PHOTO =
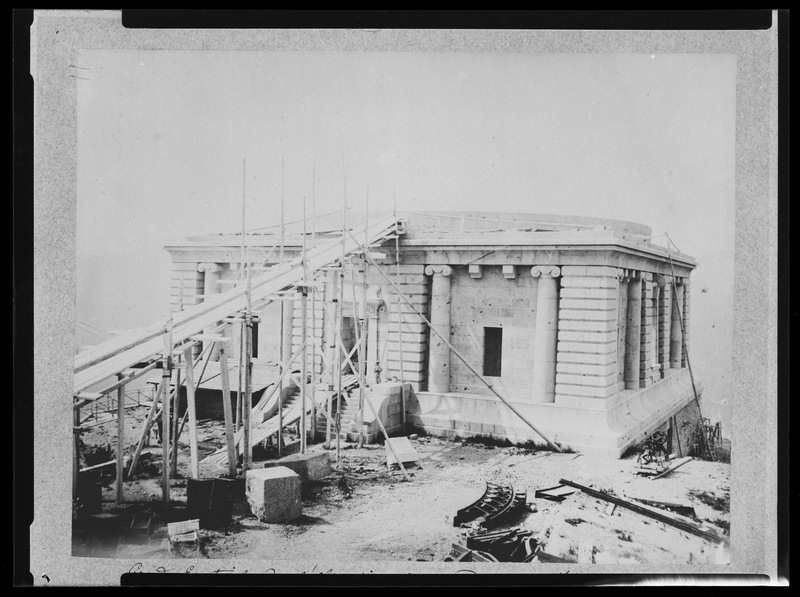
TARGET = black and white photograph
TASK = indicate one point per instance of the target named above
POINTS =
(401, 301)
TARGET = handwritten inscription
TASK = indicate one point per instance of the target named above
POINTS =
(139, 567)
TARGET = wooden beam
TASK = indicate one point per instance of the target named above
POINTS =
(210, 338)
(76, 456)
(385, 435)
(120, 441)
(166, 376)
(677, 523)
(672, 468)
(122, 380)
(226, 407)
(190, 406)
(146, 429)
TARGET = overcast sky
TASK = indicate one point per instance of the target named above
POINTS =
(162, 135)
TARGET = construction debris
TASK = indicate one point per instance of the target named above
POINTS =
(403, 449)
(496, 505)
(557, 493)
(183, 532)
(684, 525)
(673, 465)
(654, 453)
(682, 509)
(514, 545)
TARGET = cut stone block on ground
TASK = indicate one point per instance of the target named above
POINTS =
(273, 494)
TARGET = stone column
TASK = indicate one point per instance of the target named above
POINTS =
(439, 356)
(658, 301)
(633, 332)
(622, 314)
(545, 342)
(676, 334)
(372, 342)
(330, 315)
(685, 315)
(288, 332)
(211, 275)
(648, 347)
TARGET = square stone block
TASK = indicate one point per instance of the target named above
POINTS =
(273, 494)
(404, 450)
(310, 466)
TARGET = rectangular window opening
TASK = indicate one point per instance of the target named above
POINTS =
(254, 353)
(492, 351)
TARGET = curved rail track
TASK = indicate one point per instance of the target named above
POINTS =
(493, 507)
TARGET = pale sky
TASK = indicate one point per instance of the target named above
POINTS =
(162, 135)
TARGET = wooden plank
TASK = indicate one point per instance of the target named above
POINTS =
(226, 406)
(76, 450)
(120, 441)
(677, 523)
(672, 467)
(145, 429)
(166, 376)
(210, 338)
(190, 405)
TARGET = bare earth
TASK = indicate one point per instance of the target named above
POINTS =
(365, 511)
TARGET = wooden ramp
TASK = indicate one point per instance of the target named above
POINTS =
(292, 411)
(105, 360)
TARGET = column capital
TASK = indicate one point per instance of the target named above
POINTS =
(444, 270)
(208, 267)
(546, 270)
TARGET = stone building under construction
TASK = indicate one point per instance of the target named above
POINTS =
(577, 325)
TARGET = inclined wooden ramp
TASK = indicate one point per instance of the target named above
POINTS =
(291, 415)
(105, 360)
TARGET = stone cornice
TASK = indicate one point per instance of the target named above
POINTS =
(559, 256)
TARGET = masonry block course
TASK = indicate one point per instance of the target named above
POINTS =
(586, 347)
(588, 282)
(589, 337)
(607, 325)
(588, 303)
(587, 379)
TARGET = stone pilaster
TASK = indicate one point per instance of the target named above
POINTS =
(439, 355)
(676, 334)
(622, 314)
(633, 335)
(545, 340)
(211, 276)
(685, 314)
(587, 333)
(663, 321)
(372, 342)
(647, 353)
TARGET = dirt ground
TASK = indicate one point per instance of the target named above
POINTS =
(365, 511)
